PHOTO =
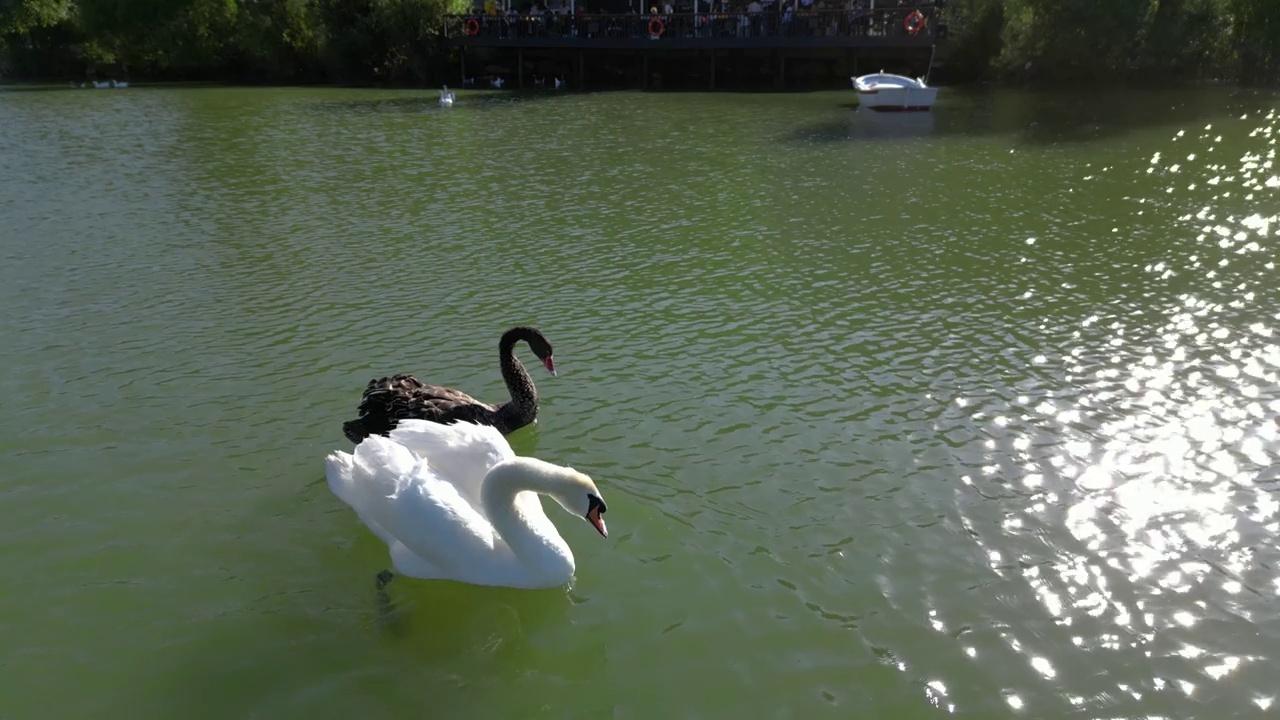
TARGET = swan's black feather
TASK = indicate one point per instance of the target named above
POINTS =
(388, 400)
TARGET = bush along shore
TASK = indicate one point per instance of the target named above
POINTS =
(1110, 40)
(294, 41)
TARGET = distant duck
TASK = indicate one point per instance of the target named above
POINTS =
(559, 83)
(539, 81)
(116, 84)
(446, 97)
(469, 82)
(497, 82)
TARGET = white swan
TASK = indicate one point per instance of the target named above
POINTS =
(454, 502)
(446, 97)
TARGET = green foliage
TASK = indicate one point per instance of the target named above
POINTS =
(1091, 39)
(22, 16)
(1255, 26)
(978, 39)
(278, 39)
(346, 40)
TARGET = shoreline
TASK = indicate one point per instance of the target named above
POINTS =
(32, 85)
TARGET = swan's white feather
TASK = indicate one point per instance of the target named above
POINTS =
(406, 502)
(436, 523)
(340, 469)
(461, 453)
(418, 491)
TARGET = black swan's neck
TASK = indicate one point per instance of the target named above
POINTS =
(522, 409)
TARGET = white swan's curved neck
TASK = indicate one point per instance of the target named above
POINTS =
(541, 551)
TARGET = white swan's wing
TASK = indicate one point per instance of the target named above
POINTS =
(468, 445)
(435, 522)
(463, 453)
(353, 482)
(405, 502)
(460, 453)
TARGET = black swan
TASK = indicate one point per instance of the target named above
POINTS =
(388, 400)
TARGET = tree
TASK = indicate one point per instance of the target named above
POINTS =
(22, 16)
(1256, 30)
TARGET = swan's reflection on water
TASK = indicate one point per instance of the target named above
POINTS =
(454, 618)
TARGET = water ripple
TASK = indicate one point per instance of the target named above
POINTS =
(879, 438)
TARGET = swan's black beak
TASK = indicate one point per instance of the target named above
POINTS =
(594, 511)
(551, 366)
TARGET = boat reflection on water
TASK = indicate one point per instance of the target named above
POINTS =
(865, 124)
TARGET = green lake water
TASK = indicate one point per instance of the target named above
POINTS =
(897, 417)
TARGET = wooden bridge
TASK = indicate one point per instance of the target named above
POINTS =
(565, 41)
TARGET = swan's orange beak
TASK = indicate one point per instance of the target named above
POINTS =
(593, 517)
(551, 366)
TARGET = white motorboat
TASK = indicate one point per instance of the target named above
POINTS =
(888, 92)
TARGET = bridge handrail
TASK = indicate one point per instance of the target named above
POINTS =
(886, 22)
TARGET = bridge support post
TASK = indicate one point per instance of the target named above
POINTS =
(520, 68)
(713, 70)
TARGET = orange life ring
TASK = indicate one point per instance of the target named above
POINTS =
(473, 26)
(914, 22)
(660, 26)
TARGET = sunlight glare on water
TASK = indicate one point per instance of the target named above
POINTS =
(1149, 437)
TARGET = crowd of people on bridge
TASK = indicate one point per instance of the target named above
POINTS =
(695, 18)
(634, 7)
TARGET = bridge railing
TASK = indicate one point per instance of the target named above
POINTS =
(913, 23)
